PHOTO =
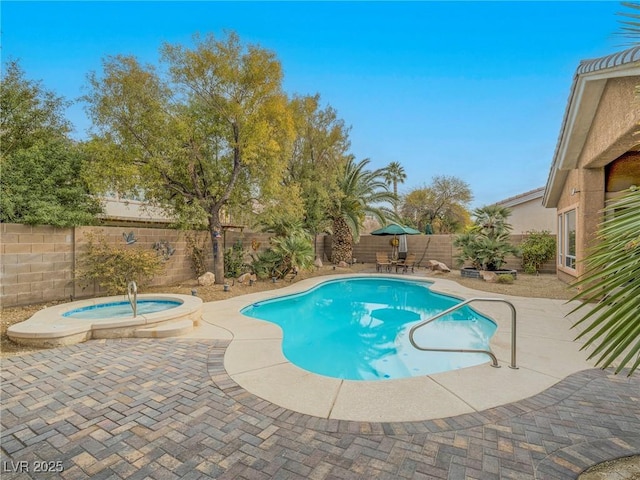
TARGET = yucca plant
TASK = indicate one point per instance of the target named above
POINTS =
(612, 279)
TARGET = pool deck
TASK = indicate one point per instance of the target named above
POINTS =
(196, 407)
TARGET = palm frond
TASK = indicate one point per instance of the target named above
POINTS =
(612, 279)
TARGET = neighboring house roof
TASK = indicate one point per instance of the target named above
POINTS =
(522, 198)
(586, 90)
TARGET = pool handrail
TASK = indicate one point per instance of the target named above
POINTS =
(133, 288)
(488, 352)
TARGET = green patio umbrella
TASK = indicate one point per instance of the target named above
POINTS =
(395, 230)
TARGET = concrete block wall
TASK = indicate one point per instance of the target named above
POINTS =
(36, 263)
(177, 267)
(426, 247)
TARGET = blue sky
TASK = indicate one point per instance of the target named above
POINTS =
(471, 89)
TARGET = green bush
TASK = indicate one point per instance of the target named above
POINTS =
(196, 249)
(537, 248)
(505, 278)
(286, 255)
(114, 266)
(487, 244)
(265, 264)
(234, 264)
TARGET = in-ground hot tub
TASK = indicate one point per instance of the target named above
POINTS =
(161, 315)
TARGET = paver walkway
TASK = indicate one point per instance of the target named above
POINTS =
(165, 409)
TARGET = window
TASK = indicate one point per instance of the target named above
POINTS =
(567, 239)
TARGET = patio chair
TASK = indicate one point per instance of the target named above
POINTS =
(382, 260)
(407, 263)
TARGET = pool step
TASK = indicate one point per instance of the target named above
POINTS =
(167, 329)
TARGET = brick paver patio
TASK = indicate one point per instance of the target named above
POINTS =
(165, 409)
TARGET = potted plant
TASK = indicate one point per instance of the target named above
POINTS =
(486, 245)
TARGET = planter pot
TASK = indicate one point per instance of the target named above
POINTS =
(470, 272)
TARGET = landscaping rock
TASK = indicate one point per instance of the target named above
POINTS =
(318, 263)
(343, 264)
(245, 277)
(437, 266)
(207, 279)
(489, 277)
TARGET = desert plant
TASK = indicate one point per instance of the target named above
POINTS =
(265, 264)
(536, 249)
(114, 266)
(234, 264)
(287, 254)
(196, 249)
(505, 278)
(612, 279)
(487, 244)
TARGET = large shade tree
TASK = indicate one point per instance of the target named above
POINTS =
(442, 205)
(319, 150)
(360, 193)
(210, 133)
(41, 180)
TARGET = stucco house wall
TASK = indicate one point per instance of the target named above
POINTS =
(597, 152)
(528, 213)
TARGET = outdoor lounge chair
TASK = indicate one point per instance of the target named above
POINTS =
(382, 260)
(407, 263)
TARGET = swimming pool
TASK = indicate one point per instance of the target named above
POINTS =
(358, 329)
(121, 309)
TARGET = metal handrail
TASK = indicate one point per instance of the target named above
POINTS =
(488, 352)
(133, 288)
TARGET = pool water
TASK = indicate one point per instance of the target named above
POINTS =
(120, 309)
(358, 329)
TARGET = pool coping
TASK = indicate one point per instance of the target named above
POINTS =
(547, 353)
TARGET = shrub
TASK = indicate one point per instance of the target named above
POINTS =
(487, 244)
(286, 255)
(196, 248)
(114, 266)
(234, 265)
(505, 278)
(265, 264)
(537, 248)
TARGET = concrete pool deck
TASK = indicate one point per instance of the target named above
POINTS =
(546, 354)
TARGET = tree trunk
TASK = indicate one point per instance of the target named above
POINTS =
(215, 230)
(342, 243)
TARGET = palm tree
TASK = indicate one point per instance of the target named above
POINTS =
(394, 174)
(612, 279)
(487, 244)
(491, 220)
(359, 190)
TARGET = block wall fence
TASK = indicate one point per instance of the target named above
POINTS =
(37, 263)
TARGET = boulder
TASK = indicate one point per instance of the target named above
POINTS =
(244, 277)
(318, 263)
(343, 264)
(437, 266)
(489, 277)
(207, 279)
